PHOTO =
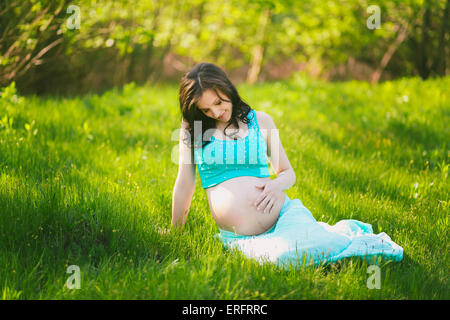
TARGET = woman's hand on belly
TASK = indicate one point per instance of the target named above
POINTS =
(233, 209)
(271, 197)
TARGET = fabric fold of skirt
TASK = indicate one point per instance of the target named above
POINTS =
(297, 239)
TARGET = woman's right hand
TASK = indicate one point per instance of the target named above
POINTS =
(271, 198)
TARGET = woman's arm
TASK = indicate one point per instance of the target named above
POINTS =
(185, 183)
(271, 194)
(285, 179)
(181, 201)
(277, 156)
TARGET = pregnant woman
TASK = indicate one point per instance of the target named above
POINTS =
(231, 145)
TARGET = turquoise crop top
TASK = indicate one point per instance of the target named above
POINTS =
(221, 160)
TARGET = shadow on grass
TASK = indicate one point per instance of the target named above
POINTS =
(95, 229)
(357, 181)
(414, 134)
(416, 137)
(414, 281)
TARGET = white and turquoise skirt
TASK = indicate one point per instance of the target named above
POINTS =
(297, 239)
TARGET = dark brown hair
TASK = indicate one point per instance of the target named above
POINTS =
(202, 77)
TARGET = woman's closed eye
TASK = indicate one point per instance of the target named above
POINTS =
(207, 110)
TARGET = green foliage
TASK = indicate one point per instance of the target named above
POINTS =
(127, 40)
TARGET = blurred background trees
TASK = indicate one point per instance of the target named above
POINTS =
(148, 41)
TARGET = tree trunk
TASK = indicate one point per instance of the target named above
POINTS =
(439, 62)
(150, 47)
(401, 36)
(158, 70)
(258, 49)
(159, 66)
(424, 68)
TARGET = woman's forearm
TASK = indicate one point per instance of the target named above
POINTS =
(181, 202)
(285, 179)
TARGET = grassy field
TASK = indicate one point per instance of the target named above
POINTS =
(88, 181)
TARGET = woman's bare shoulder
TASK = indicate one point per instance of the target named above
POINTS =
(264, 120)
(184, 123)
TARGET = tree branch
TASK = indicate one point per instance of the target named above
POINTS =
(401, 36)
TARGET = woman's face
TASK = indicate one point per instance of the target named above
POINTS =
(211, 105)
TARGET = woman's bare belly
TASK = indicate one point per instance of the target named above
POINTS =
(231, 204)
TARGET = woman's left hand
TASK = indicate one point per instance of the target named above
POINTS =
(269, 196)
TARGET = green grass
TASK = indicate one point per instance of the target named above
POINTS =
(88, 181)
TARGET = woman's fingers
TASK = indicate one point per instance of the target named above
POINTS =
(262, 205)
(269, 206)
(261, 196)
(260, 199)
(266, 204)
